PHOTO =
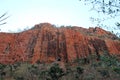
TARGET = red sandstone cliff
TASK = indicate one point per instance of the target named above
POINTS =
(47, 43)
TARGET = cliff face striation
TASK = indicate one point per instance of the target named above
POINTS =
(46, 43)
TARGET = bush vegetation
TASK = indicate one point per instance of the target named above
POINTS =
(107, 68)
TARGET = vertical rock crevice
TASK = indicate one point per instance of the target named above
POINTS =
(99, 46)
(31, 45)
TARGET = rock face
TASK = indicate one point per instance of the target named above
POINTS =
(46, 43)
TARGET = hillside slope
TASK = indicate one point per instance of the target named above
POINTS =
(46, 43)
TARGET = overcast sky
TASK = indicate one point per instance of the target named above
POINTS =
(27, 13)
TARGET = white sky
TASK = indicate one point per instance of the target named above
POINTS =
(27, 13)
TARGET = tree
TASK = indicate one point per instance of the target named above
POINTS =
(110, 7)
(107, 9)
(55, 72)
(3, 17)
(2, 73)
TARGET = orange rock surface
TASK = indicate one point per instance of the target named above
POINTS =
(46, 43)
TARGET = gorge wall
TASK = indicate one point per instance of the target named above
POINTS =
(46, 43)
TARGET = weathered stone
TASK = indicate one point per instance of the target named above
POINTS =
(46, 43)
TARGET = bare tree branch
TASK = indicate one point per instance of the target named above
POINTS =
(3, 23)
(3, 15)
(3, 18)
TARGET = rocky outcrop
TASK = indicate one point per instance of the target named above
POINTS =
(46, 43)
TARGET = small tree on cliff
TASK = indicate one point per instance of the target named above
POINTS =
(3, 17)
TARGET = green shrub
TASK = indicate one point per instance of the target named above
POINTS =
(80, 70)
(2, 73)
(2, 66)
(82, 61)
(116, 69)
(19, 78)
(89, 77)
(55, 72)
(104, 73)
(109, 60)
